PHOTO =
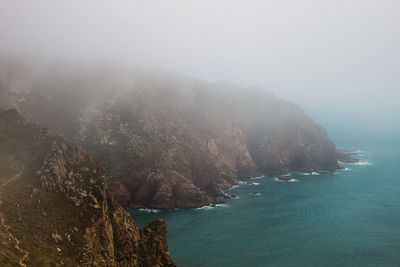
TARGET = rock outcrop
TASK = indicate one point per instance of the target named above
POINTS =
(167, 141)
(55, 208)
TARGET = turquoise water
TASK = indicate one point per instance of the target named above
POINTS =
(351, 218)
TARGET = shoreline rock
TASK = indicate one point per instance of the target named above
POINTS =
(168, 141)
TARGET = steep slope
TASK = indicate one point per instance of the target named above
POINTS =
(55, 208)
(167, 141)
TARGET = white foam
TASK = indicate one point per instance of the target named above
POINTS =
(290, 181)
(362, 163)
(247, 183)
(150, 210)
(233, 187)
(358, 151)
(205, 208)
(287, 174)
(304, 173)
(315, 173)
(256, 178)
(346, 169)
(211, 207)
(256, 194)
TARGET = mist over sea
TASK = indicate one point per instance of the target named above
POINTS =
(350, 218)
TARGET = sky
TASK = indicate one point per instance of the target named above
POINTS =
(318, 53)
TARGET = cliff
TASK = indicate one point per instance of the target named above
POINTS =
(55, 208)
(166, 140)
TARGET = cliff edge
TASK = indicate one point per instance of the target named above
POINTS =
(166, 140)
(55, 208)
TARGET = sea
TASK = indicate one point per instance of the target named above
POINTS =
(348, 218)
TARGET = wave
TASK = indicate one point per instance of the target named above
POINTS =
(150, 210)
(205, 208)
(243, 183)
(354, 152)
(290, 181)
(359, 163)
(211, 207)
(308, 173)
(233, 187)
(257, 178)
(247, 183)
(362, 163)
(222, 205)
(256, 194)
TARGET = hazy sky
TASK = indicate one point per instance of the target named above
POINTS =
(315, 51)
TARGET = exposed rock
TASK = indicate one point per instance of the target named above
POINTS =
(345, 156)
(166, 141)
(56, 237)
(284, 178)
(65, 214)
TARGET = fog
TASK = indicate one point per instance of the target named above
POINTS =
(341, 56)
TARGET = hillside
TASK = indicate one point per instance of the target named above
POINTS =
(55, 208)
(166, 140)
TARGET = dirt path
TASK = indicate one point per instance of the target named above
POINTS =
(12, 179)
(7, 228)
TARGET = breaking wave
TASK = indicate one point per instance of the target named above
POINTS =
(233, 187)
(150, 210)
(289, 181)
(362, 163)
(211, 207)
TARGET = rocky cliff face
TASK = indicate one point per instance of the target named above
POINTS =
(167, 141)
(55, 208)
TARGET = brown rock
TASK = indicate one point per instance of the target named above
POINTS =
(284, 178)
(169, 141)
(89, 227)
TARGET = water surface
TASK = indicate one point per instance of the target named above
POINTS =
(351, 218)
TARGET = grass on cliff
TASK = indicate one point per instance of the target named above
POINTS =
(33, 214)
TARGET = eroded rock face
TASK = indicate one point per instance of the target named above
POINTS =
(169, 141)
(56, 209)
